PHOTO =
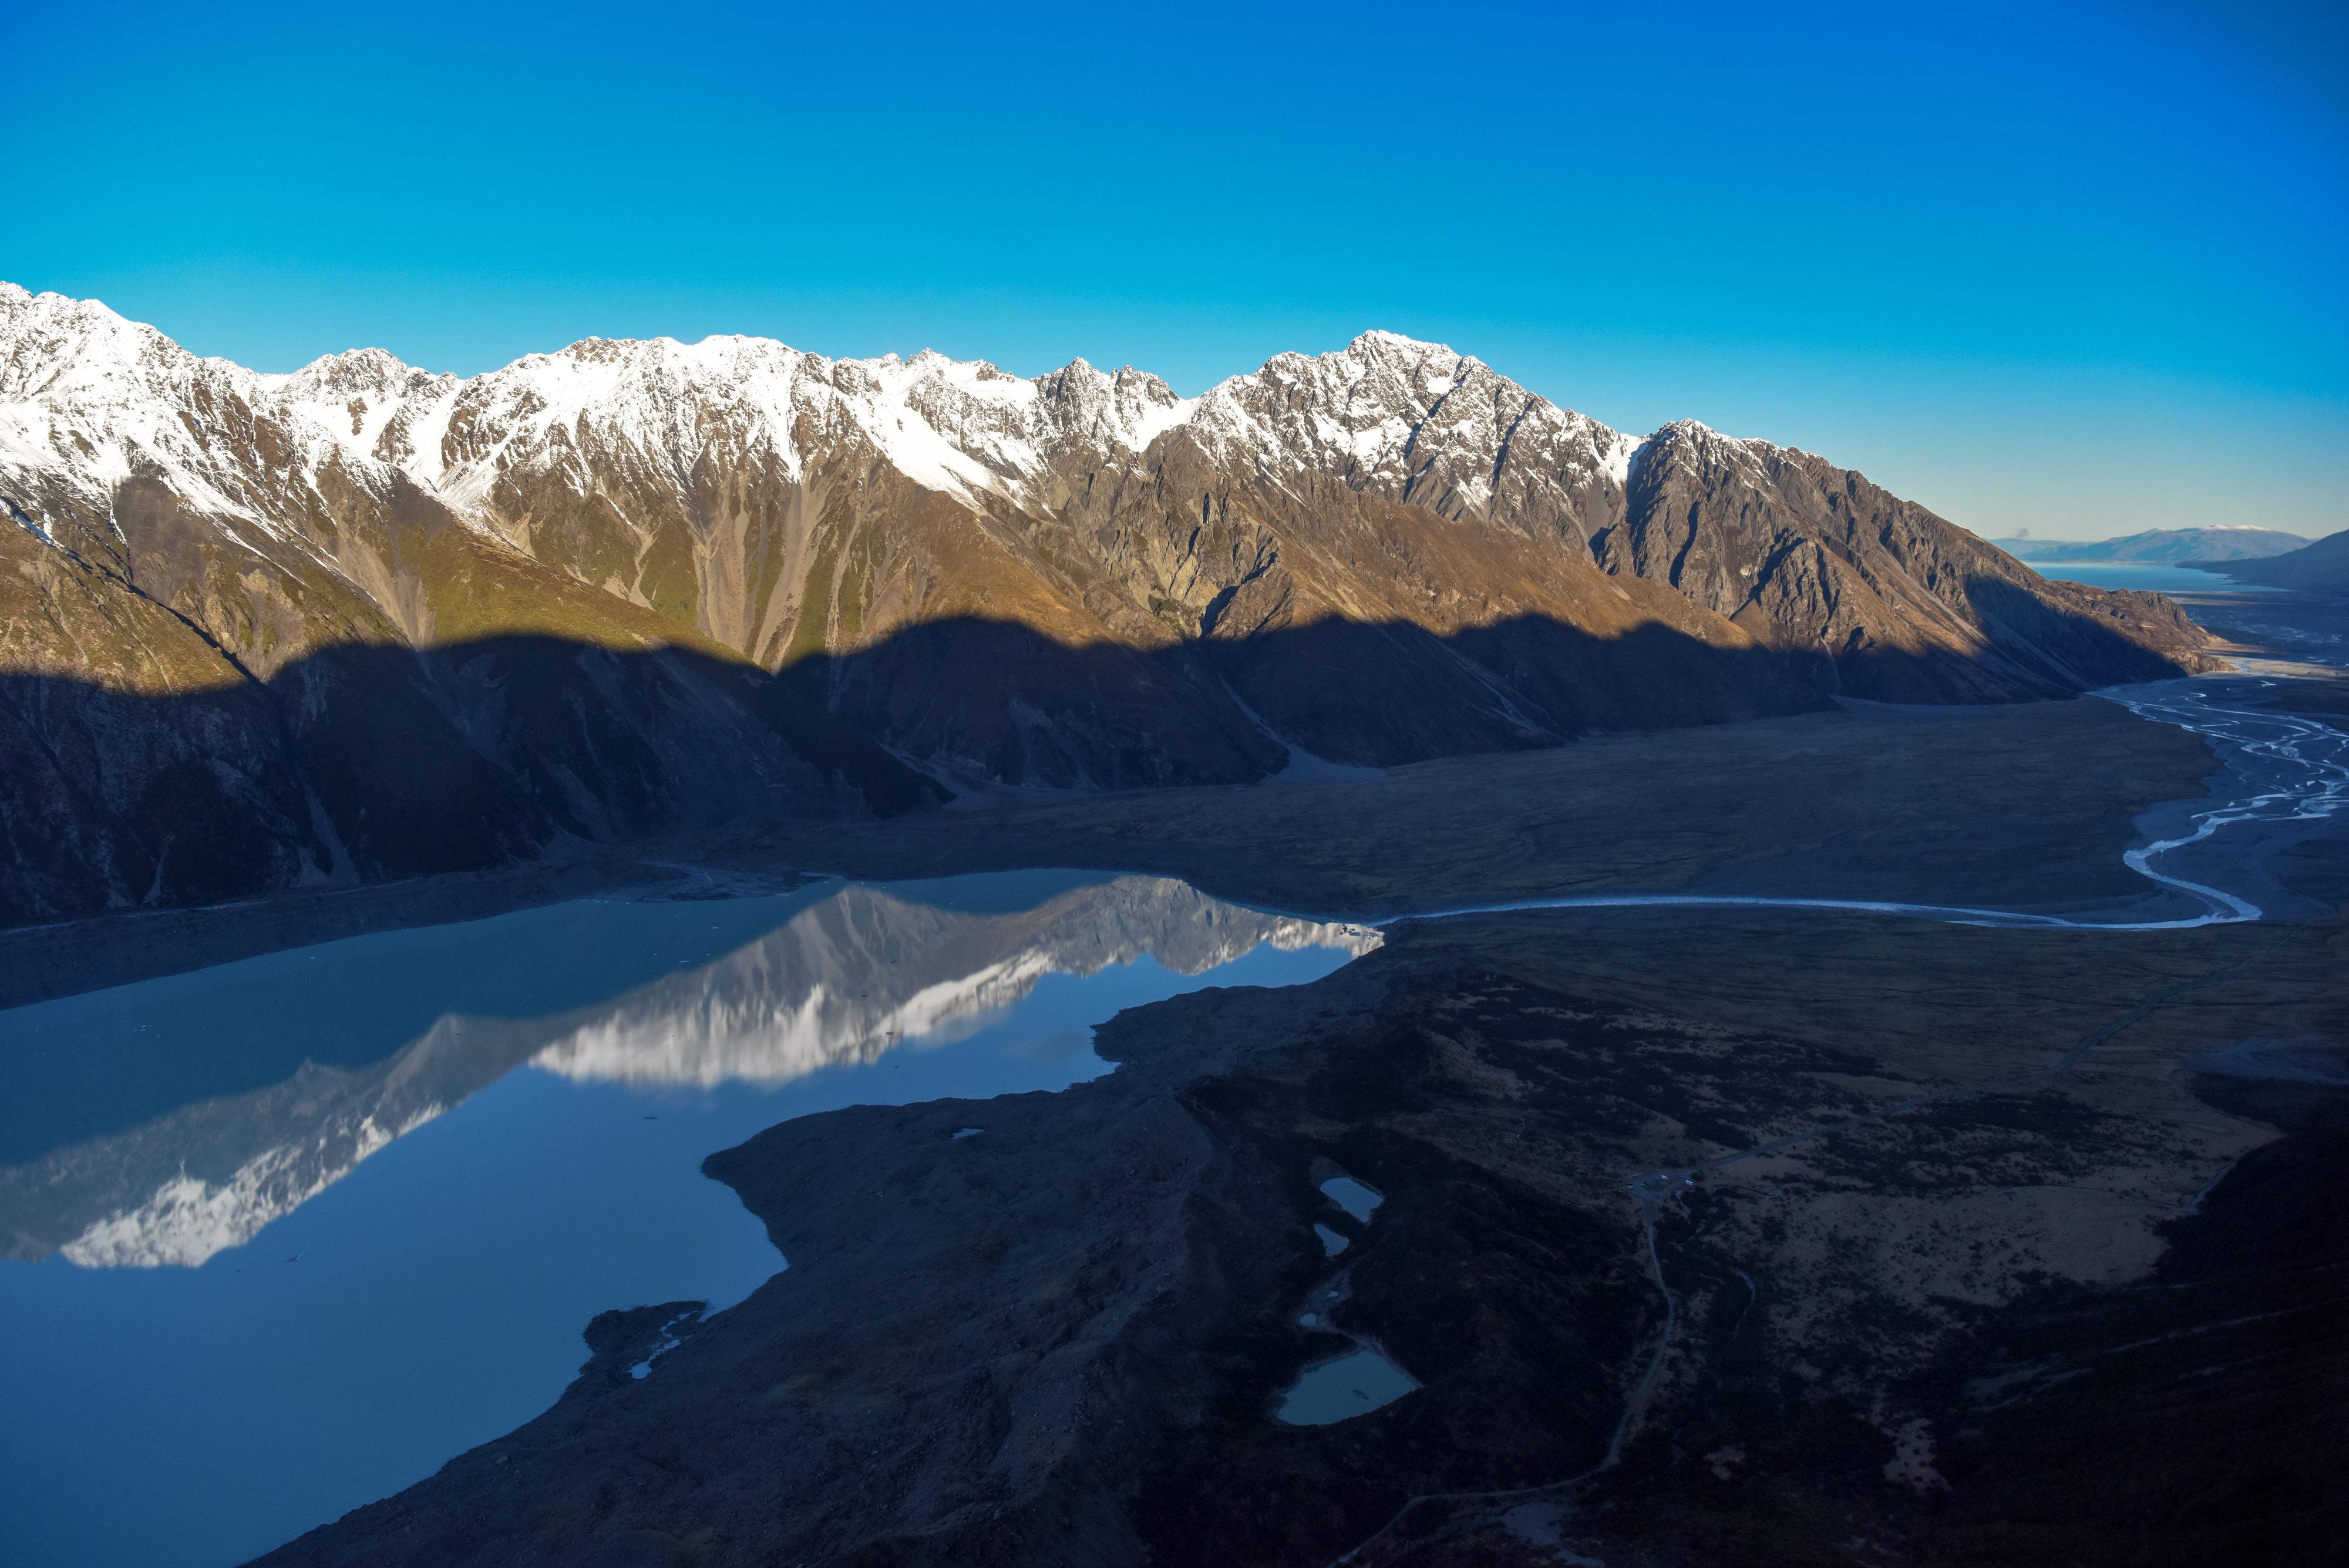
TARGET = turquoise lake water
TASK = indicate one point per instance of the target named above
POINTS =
(2150, 575)
(283, 1236)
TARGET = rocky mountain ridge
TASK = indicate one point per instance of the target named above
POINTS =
(364, 620)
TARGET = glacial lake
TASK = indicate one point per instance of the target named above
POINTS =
(2152, 576)
(281, 1237)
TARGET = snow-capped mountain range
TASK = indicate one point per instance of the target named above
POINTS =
(88, 399)
(389, 620)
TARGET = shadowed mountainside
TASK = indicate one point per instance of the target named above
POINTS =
(2323, 567)
(367, 762)
(363, 763)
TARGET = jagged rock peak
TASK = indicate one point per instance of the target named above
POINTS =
(1417, 419)
(50, 341)
(356, 381)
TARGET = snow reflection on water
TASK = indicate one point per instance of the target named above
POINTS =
(278, 1238)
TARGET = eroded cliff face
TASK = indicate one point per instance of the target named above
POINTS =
(363, 620)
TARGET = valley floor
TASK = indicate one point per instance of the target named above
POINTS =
(2026, 805)
(1710, 1235)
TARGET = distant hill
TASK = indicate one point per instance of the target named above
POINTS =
(2222, 541)
(2323, 567)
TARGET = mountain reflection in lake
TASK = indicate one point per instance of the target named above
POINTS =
(289, 1232)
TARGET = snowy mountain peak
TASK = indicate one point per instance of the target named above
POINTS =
(355, 394)
(1380, 337)
(1709, 445)
(44, 336)
(97, 397)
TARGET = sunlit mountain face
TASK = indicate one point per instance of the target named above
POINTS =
(855, 973)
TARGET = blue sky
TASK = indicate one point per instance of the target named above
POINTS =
(2075, 267)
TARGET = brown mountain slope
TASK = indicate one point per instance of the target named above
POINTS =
(1912, 608)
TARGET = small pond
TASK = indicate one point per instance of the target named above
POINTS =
(1354, 1384)
(1355, 1197)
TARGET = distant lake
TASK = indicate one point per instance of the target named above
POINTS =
(2151, 576)
(281, 1237)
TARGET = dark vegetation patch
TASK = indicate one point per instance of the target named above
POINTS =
(2022, 1138)
(1517, 1311)
(2199, 1415)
